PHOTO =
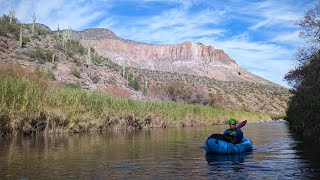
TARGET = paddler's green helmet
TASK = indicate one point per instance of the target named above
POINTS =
(232, 121)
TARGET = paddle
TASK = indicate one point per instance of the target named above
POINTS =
(240, 125)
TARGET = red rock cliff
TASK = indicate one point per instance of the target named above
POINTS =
(185, 58)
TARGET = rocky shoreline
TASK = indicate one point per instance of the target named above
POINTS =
(272, 121)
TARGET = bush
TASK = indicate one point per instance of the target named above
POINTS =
(15, 70)
(180, 91)
(76, 71)
(25, 40)
(73, 85)
(6, 28)
(95, 78)
(41, 31)
(134, 83)
(97, 60)
(76, 47)
(42, 54)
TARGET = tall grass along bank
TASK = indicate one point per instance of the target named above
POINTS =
(29, 106)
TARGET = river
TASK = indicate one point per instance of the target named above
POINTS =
(171, 153)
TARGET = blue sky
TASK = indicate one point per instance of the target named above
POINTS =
(261, 36)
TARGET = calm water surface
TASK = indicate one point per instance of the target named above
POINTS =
(171, 153)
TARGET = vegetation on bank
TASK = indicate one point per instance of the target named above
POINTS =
(303, 112)
(29, 104)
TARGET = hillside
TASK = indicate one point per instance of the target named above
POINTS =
(70, 61)
(184, 58)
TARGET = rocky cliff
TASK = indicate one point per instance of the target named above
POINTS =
(185, 58)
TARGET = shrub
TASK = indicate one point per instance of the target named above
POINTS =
(76, 71)
(97, 60)
(180, 91)
(95, 78)
(76, 47)
(42, 54)
(73, 85)
(15, 70)
(134, 83)
(6, 27)
(41, 31)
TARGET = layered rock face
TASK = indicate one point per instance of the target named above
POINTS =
(185, 58)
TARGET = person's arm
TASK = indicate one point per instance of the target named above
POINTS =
(225, 132)
(239, 136)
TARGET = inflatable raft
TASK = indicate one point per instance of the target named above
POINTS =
(215, 146)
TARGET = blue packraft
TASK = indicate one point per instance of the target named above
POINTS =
(215, 146)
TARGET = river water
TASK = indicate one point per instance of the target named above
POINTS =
(172, 153)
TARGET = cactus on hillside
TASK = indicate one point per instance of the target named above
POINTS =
(11, 15)
(58, 31)
(20, 38)
(127, 79)
(53, 57)
(64, 38)
(88, 57)
(145, 86)
(69, 33)
(33, 21)
(123, 71)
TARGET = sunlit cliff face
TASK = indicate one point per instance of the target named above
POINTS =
(186, 58)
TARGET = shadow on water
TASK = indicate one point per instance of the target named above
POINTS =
(309, 151)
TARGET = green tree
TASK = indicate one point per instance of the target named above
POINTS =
(303, 113)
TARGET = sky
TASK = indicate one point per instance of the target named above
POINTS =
(260, 35)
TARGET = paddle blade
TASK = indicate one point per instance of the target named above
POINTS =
(240, 125)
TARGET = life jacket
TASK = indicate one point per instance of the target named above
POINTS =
(232, 133)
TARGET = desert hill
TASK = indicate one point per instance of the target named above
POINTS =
(96, 59)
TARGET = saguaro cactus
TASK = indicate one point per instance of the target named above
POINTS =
(70, 33)
(145, 86)
(123, 71)
(88, 57)
(34, 18)
(64, 38)
(20, 38)
(82, 38)
(52, 57)
(11, 15)
(58, 31)
(127, 79)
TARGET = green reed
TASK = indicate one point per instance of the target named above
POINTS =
(32, 108)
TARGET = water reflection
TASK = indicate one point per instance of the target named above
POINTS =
(309, 152)
(213, 159)
(229, 166)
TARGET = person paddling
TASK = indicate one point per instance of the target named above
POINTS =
(233, 134)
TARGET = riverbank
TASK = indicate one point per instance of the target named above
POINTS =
(30, 104)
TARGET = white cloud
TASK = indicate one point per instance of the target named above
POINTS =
(288, 38)
(77, 14)
(270, 13)
(264, 59)
(172, 26)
